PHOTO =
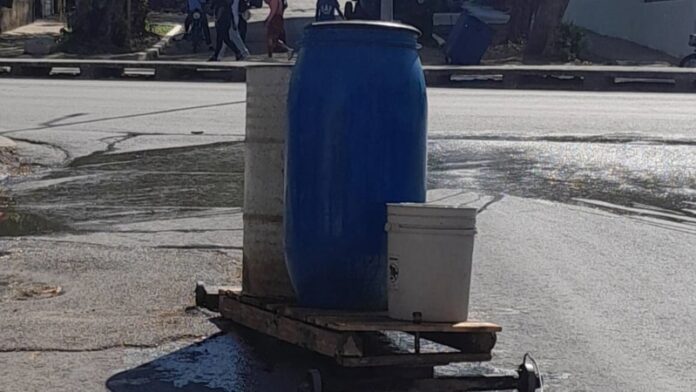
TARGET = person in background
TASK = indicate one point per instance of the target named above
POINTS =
(327, 10)
(223, 24)
(275, 28)
(193, 5)
(244, 8)
(235, 34)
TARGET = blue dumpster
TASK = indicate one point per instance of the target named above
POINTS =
(356, 141)
(468, 40)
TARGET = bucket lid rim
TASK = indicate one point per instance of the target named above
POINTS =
(365, 24)
(430, 206)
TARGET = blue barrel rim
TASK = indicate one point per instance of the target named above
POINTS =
(376, 25)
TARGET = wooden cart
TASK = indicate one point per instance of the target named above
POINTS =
(370, 351)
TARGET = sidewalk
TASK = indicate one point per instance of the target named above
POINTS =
(599, 50)
(12, 42)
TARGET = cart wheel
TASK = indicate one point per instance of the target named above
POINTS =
(688, 61)
(530, 379)
(311, 383)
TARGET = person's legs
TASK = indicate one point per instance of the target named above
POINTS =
(219, 39)
(270, 38)
(280, 44)
(270, 43)
(206, 30)
(222, 35)
(229, 42)
(239, 43)
(187, 23)
(275, 33)
(243, 29)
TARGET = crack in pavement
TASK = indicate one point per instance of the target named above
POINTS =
(496, 199)
(203, 247)
(52, 123)
(156, 231)
(198, 246)
(64, 151)
(102, 348)
(44, 126)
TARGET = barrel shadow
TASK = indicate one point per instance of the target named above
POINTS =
(238, 360)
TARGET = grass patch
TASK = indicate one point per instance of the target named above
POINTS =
(160, 29)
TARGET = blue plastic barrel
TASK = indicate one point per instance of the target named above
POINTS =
(356, 141)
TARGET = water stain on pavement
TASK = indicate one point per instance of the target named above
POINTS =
(239, 360)
(126, 186)
(650, 179)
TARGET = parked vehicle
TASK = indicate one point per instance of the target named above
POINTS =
(690, 60)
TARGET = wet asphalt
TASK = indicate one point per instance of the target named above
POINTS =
(126, 197)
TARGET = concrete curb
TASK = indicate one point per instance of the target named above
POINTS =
(154, 52)
(547, 77)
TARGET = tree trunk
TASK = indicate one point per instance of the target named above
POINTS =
(521, 19)
(547, 19)
(105, 23)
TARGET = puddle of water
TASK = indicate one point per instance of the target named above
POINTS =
(654, 175)
(234, 361)
(15, 223)
(127, 185)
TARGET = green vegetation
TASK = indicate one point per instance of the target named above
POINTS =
(160, 29)
(570, 42)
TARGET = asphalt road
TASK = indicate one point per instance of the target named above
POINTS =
(587, 231)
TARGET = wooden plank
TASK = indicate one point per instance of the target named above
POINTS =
(482, 342)
(382, 323)
(322, 341)
(348, 321)
(208, 296)
(406, 360)
(310, 315)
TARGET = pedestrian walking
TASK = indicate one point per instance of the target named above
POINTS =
(192, 6)
(235, 31)
(223, 24)
(275, 28)
(244, 7)
(327, 10)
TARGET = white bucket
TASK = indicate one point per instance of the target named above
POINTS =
(430, 257)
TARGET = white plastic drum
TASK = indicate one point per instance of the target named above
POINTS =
(430, 258)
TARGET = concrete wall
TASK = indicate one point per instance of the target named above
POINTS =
(21, 13)
(659, 24)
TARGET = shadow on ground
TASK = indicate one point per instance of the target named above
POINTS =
(239, 360)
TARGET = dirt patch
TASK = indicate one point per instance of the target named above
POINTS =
(11, 164)
(15, 288)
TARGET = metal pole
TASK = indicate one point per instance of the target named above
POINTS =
(387, 11)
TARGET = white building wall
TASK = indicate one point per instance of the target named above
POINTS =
(659, 24)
